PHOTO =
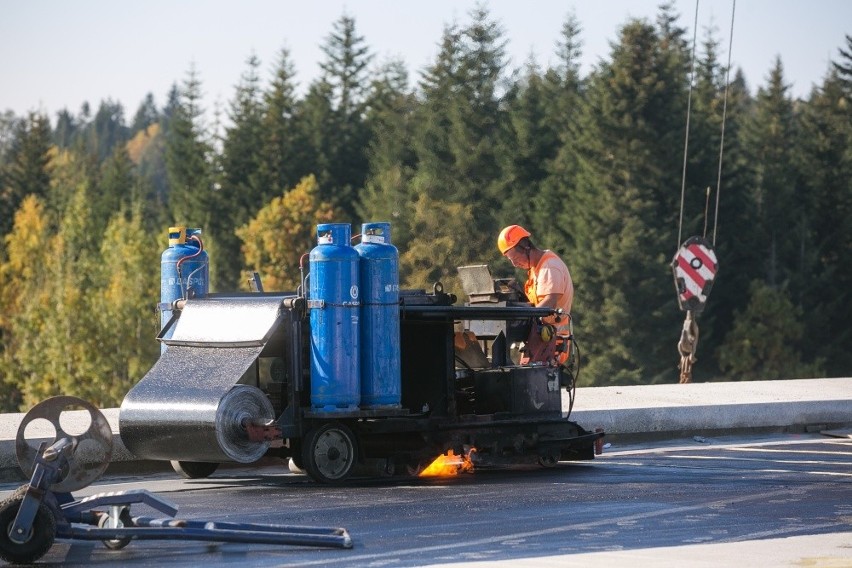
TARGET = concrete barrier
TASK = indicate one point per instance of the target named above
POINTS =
(630, 412)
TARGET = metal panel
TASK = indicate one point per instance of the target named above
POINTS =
(227, 321)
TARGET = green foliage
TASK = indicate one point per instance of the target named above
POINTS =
(26, 172)
(624, 209)
(275, 240)
(188, 153)
(591, 164)
(764, 341)
(440, 231)
(391, 117)
(126, 320)
(336, 125)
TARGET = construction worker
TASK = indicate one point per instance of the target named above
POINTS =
(548, 284)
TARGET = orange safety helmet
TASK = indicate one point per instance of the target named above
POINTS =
(511, 236)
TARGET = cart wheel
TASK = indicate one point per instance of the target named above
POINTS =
(38, 541)
(194, 470)
(81, 472)
(124, 520)
(330, 452)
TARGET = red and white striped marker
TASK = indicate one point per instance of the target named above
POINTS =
(694, 267)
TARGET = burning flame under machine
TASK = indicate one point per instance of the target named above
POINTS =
(348, 375)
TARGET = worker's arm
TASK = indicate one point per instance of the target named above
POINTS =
(549, 301)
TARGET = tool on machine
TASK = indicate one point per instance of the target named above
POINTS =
(695, 264)
(44, 509)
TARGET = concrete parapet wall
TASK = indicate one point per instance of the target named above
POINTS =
(646, 411)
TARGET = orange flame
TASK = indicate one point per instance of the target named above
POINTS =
(449, 465)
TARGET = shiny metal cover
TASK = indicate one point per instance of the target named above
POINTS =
(227, 321)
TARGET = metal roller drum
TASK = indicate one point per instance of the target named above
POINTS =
(241, 404)
(188, 407)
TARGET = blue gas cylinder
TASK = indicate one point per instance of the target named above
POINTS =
(380, 343)
(334, 303)
(184, 270)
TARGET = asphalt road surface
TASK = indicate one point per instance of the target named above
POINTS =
(649, 496)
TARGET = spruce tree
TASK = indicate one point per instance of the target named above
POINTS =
(460, 127)
(240, 193)
(824, 156)
(387, 193)
(27, 171)
(339, 113)
(777, 191)
(283, 152)
(625, 208)
(552, 217)
(188, 158)
(146, 115)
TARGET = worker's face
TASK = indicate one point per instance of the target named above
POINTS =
(518, 257)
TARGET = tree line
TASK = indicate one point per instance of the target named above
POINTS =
(592, 165)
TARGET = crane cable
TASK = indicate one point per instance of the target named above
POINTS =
(699, 247)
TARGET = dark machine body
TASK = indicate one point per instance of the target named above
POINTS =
(460, 390)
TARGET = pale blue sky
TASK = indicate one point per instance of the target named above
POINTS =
(57, 54)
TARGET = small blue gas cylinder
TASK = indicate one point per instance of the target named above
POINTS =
(380, 343)
(184, 270)
(334, 302)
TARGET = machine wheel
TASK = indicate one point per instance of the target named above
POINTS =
(39, 540)
(548, 460)
(124, 520)
(194, 470)
(330, 452)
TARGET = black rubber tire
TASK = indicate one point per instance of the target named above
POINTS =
(330, 452)
(194, 470)
(41, 537)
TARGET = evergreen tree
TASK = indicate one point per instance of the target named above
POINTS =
(762, 343)
(825, 158)
(240, 194)
(387, 193)
(106, 131)
(188, 155)
(66, 129)
(844, 66)
(146, 115)
(552, 215)
(460, 127)
(440, 231)
(342, 143)
(315, 120)
(532, 142)
(8, 125)
(625, 207)
(769, 139)
(27, 171)
(115, 189)
(283, 153)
